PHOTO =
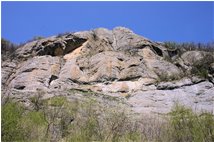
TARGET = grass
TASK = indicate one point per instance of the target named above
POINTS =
(188, 126)
(60, 120)
(56, 101)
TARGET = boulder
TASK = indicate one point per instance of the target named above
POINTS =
(199, 97)
(103, 34)
(195, 57)
(35, 73)
(164, 70)
(53, 46)
(125, 38)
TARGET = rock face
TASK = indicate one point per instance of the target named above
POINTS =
(116, 63)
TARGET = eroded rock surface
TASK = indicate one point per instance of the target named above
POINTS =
(147, 76)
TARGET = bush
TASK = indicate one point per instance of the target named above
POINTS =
(98, 123)
(201, 68)
(60, 120)
(11, 127)
(7, 49)
(57, 101)
(34, 125)
(188, 46)
(186, 126)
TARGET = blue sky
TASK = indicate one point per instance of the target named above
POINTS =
(158, 21)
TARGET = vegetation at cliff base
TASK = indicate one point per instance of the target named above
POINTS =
(57, 119)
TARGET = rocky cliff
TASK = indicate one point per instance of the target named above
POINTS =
(111, 65)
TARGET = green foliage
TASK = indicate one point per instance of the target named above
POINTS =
(186, 126)
(7, 45)
(19, 124)
(57, 101)
(200, 70)
(60, 120)
(11, 128)
(201, 67)
(188, 46)
(171, 45)
(96, 123)
(35, 117)
(34, 125)
(37, 101)
(7, 49)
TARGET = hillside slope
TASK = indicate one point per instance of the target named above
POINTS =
(113, 65)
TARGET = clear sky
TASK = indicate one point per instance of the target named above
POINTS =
(158, 21)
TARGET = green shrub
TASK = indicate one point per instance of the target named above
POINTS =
(201, 68)
(34, 125)
(186, 126)
(100, 123)
(188, 46)
(35, 117)
(57, 101)
(11, 128)
(37, 101)
(62, 120)
(7, 49)
(207, 125)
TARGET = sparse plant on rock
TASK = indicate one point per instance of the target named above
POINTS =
(201, 68)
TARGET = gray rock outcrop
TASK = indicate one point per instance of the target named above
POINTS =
(116, 63)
